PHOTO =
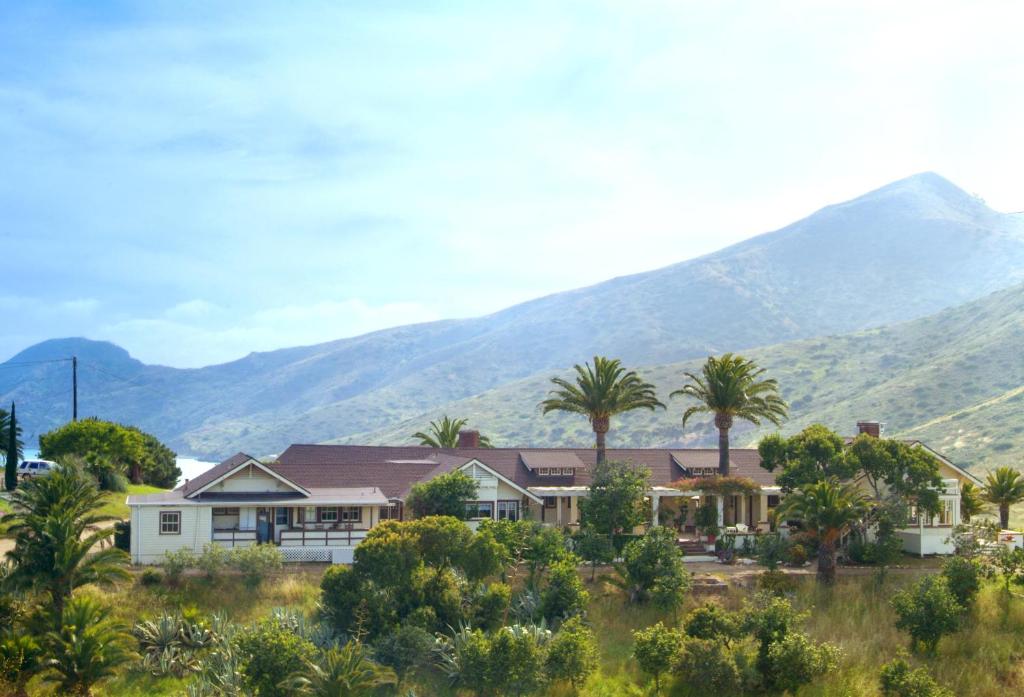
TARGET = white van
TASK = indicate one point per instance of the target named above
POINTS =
(35, 468)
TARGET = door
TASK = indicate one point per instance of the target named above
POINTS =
(263, 532)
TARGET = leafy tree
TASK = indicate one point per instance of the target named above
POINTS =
(895, 469)
(21, 658)
(55, 529)
(732, 387)
(656, 650)
(85, 648)
(1010, 564)
(445, 434)
(405, 649)
(770, 619)
(1004, 488)
(441, 540)
(649, 560)
(545, 546)
(615, 501)
(516, 662)
(10, 446)
(572, 653)
(964, 577)
(355, 604)
(388, 555)
(927, 610)
(484, 557)
(338, 671)
(595, 548)
(795, 661)
(828, 510)
(711, 622)
(563, 595)
(815, 454)
(272, 653)
(444, 495)
(600, 392)
(711, 665)
(898, 679)
(972, 502)
(490, 607)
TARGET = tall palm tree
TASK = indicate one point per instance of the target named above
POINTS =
(86, 648)
(345, 671)
(732, 387)
(971, 501)
(56, 527)
(445, 434)
(1004, 488)
(828, 510)
(600, 392)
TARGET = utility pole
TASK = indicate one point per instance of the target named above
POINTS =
(74, 388)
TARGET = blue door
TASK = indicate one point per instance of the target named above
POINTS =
(262, 525)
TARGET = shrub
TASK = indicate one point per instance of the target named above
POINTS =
(927, 611)
(485, 557)
(796, 555)
(771, 550)
(898, 679)
(354, 605)
(516, 661)
(563, 595)
(656, 650)
(491, 606)
(795, 660)
(151, 577)
(270, 652)
(213, 560)
(405, 649)
(775, 582)
(444, 495)
(442, 591)
(123, 535)
(572, 653)
(964, 579)
(648, 559)
(711, 665)
(594, 548)
(256, 562)
(712, 623)
(86, 647)
(175, 563)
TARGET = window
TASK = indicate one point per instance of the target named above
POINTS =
(328, 515)
(773, 500)
(508, 510)
(389, 512)
(225, 511)
(568, 471)
(549, 501)
(281, 516)
(352, 514)
(543, 472)
(170, 522)
(309, 514)
(479, 509)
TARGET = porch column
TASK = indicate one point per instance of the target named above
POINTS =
(558, 511)
(920, 533)
(655, 499)
(762, 514)
(720, 503)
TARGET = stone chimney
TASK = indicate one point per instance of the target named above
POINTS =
(469, 439)
(872, 428)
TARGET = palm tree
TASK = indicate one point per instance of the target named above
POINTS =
(828, 510)
(445, 434)
(345, 671)
(86, 648)
(20, 658)
(600, 392)
(1004, 488)
(731, 387)
(971, 501)
(55, 528)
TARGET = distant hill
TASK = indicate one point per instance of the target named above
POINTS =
(901, 252)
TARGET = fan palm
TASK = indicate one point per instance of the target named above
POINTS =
(600, 392)
(55, 526)
(732, 387)
(445, 434)
(86, 648)
(828, 510)
(1004, 488)
(971, 501)
(346, 671)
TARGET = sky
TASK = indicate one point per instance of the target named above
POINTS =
(195, 181)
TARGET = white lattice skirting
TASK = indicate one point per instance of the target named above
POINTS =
(322, 554)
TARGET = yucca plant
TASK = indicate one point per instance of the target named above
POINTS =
(340, 671)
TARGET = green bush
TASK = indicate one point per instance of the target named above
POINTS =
(711, 665)
(516, 661)
(796, 555)
(927, 610)
(657, 650)
(213, 560)
(405, 649)
(490, 607)
(175, 563)
(572, 653)
(711, 622)
(354, 604)
(270, 652)
(795, 660)
(151, 577)
(255, 563)
(563, 595)
(898, 679)
(648, 559)
(964, 578)
(123, 535)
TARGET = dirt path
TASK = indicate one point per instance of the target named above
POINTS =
(7, 544)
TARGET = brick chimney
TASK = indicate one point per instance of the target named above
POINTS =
(872, 428)
(469, 439)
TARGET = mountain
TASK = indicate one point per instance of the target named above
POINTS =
(901, 252)
(954, 379)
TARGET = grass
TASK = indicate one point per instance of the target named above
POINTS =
(114, 501)
(984, 659)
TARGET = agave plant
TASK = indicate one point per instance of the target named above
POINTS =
(174, 661)
(345, 671)
(159, 635)
(220, 674)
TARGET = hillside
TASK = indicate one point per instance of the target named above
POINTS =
(900, 252)
(954, 379)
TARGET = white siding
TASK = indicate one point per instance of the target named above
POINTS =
(148, 545)
(251, 480)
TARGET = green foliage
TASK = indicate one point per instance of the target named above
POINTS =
(1004, 488)
(256, 562)
(151, 577)
(650, 560)
(656, 650)
(898, 679)
(444, 495)
(491, 606)
(795, 661)
(213, 560)
(405, 649)
(771, 550)
(813, 455)
(563, 595)
(572, 653)
(964, 577)
(595, 548)
(711, 622)
(511, 661)
(705, 518)
(354, 604)
(1010, 565)
(445, 434)
(175, 563)
(11, 446)
(271, 652)
(21, 657)
(345, 671)
(440, 540)
(484, 557)
(85, 648)
(927, 610)
(616, 500)
(971, 501)
(710, 664)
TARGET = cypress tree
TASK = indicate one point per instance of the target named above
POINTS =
(11, 470)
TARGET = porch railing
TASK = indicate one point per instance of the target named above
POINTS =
(235, 538)
(334, 537)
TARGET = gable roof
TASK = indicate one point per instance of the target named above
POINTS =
(546, 459)
(227, 468)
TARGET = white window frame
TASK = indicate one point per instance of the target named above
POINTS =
(333, 511)
(173, 519)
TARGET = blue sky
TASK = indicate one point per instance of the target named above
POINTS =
(195, 181)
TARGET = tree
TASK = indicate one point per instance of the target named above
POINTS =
(964, 577)
(896, 470)
(445, 494)
(814, 454)
(55, 528)
(971, 501)
(563, 595)
(615, 502)
(516, 661)
(898, 679)
(445, 434)
(927, 610)
(732, 387)
(10, 442)
(711, 665)
(828, 510)
(572, 653)
(85, 648)
(711, 622)
(656, 650)
(652, 559)
(795, 660)
(272, 653)
(346, 671)
(405, 649)
(595, 548)
(600, 392)
(1004, 488)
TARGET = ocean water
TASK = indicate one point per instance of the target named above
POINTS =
(190, 468)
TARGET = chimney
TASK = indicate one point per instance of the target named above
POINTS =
(469, 439)
(872, 428)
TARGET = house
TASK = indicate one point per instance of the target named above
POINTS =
(318, 501)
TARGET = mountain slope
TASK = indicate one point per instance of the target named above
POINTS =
(908, 249)
(954, 379)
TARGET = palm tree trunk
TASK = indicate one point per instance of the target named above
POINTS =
(827, 563)
(723, 422)
(601, 425)
(1004, 516)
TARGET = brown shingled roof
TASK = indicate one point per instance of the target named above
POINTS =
(214, 472)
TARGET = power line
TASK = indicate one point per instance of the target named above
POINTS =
(24, 363)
